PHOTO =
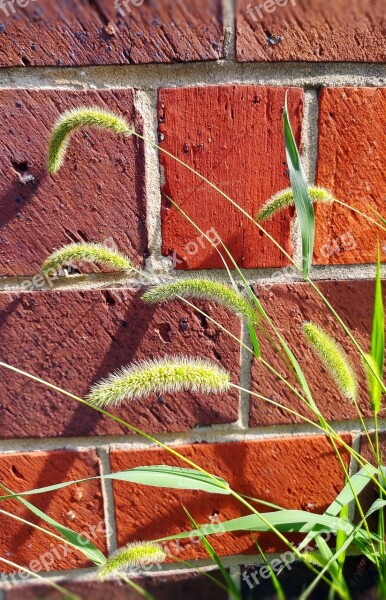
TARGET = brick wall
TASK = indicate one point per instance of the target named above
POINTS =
(214, 99)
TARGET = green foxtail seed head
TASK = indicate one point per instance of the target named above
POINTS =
(375, 388)
(285, 199)
(133, 555)
(80, 118)
(334, 359)
(159, 376)
(91, 253)
(203, 289)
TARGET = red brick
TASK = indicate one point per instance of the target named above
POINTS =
(291, 305)
(98, 195)
(78, 507)
(233, 135)
(183, 587)
(81, 33)
(316, 30)
(74, 339)
(295, 473)
(351, 163)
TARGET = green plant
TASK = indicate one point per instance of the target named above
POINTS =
(174, 374)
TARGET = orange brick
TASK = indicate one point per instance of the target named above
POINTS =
(232, 135)
(301, 472)
(78, 507)
(351, 164)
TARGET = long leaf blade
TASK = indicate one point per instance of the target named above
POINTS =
(87, 548)
(378, 336)
(154, 476)
(302, 199)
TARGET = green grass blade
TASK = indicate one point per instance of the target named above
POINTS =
(302, 198)
(341, 538)
(275, 580)
(356, 485)
(43, 580)
(234, 592)
(378, 336)
(154, 476)
(327, 556)
(291, 357)
(290, 521)
(137, 588)
(77, 540)
(378, 215)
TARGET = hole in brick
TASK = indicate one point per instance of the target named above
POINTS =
(26, 62)
(20, 166)
(21, 170)
(217, 355)
(82, 235)
(183, 324)
(110, 300)
(16, 472)
(203, 320)
(164, 330)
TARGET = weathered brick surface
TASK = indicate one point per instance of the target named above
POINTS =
(180, 587)
(232, 135)
(74, 339)
(291, 305)
(78, 32)
(98, 195)
(316, 30)
(351, 163)
(294, 473)
(78, 507)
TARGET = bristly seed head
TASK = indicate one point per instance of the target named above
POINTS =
(133, 555)
(334, 359)
(285, 199)
(159, 377)
(97, 254)
(204, 289)
(80, 118)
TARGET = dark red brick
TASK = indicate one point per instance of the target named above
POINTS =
(78, 507)
(182, 587)
(98, 195)
(351, 163)
(301, 472)
(291, 305)
(70, 32)
(74, 339)
(316, 30)
(232, 135)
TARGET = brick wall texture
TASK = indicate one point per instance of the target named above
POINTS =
(206, 81)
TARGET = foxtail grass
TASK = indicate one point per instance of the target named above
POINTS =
(159, 377)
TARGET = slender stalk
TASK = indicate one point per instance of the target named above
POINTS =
(359, 212)
(276, 243)
(381, 518)
(48, 582)
(363, 462)
(165, 447)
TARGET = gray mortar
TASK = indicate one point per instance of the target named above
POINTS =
(146, 79)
